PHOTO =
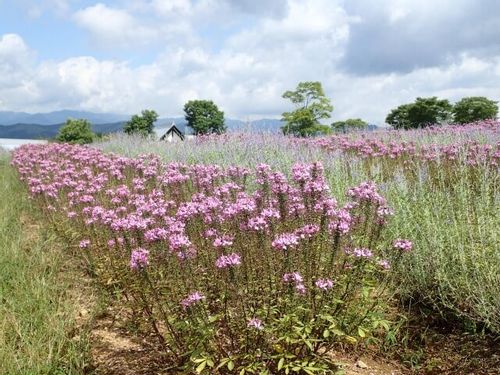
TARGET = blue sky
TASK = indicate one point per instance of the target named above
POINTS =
(125, 55)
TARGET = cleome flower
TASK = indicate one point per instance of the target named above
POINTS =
(192, 299)
(255, 323)
(324, 284)
(403, 245)
(226, 261)
(139, 259)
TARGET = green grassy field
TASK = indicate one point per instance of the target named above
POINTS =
(37, 314)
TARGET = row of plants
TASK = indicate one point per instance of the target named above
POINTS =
(442, 182)
(231, 269)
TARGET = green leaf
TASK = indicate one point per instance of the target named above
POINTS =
(326, 333)
(351, 340)
(361, 332)
(201, 367)
(230, 365)
(281, 363)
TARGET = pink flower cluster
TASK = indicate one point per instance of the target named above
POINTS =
(225, 261)
(386, 145)
(295, 278)
(403, 245)
(139, 259)
(153, 214)
(192, 299)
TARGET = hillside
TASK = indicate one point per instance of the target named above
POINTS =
(37, 131)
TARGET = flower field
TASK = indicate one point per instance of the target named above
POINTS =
(262, 253)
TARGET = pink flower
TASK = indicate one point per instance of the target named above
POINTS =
(226, 261)
(192, 299)
(403, 245)
(84, 244)
(324, 284)
(360, 253)
(384, 264)
(285, 241)
(255, 323)
(295, 278)
(223, 241)
(139, 259)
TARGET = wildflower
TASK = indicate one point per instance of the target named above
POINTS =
(403, 245)
(223, 241)
(297, 279)
(384, 264)
(255, 323)
(360, 253)
(226, 261)
(139, 259)
(285, 241)
(192, 299)
(307, 231)
(324, 284)
(84, 244)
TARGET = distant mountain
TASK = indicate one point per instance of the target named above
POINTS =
(37, 131)
(58, 117)
(46, 125)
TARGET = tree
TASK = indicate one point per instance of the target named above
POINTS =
(474, 108)
(204, 117)
(312, 105)
(76, 132)
(352, 123)
(141, 124)
(423, 112)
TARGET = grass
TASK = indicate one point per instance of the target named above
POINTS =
(37, 314)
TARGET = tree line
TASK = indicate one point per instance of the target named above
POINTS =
(311, 108)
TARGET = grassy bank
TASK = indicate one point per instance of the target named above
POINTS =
(37, 314)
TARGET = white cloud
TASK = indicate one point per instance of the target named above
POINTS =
(110, 26)
(247, 74)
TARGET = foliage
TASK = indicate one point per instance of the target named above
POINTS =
(141, 124)
(37, 315)
(352, 123)
(75, 132)
(312, 105)
(229, 268)
(474, 108)
(423, 112)
(204, 117)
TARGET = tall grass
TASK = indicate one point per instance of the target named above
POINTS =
(452, 218)
(36, 312)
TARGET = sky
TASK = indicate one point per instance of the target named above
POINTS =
(123, 56)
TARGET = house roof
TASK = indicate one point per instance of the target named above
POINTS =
(172, 130)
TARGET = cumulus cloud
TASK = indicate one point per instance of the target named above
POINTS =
(403, 35)
(362, 55)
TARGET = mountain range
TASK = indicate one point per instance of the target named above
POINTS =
(24, 125)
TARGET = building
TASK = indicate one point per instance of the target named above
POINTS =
(173, 134)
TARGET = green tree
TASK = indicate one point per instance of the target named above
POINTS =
(423, 112)
(76, 132)
(311, 105)
(141, 124)
(351, 123)
(474, 108)
(204, 117)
